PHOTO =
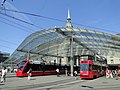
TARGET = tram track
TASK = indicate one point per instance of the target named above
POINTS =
(59, 85)
(102, 87)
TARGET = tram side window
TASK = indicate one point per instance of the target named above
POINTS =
(103, 68)
(27, 68)
(91, 58)
(37, 67)
(40, 67)
(62, 68)
(90, 67)
(95, 67)
(49, 67)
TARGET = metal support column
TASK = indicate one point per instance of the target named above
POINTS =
(77, 61)
(28, 55)
(71, 54)
(1, 65)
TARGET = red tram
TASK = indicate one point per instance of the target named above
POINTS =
(91, 67)
(38, 68)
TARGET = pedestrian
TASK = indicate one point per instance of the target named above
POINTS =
(107, 73)
(57, 70)
(75, 74)
(3, 76)
(111, 74)
(29, 73)
(66, 72)
(117, 74)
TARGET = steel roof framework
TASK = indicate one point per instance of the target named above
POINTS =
(53, 43)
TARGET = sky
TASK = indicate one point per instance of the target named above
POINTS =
(102, 14)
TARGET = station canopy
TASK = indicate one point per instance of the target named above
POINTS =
(55, 42)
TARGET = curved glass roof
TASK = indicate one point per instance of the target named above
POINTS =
(55, 42)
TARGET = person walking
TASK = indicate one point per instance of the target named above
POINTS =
(107, 74)
(117, 74)
(3, 76)
(75, 74)
(57, 70)
(29, 73)
(111, 74)
(66, 72)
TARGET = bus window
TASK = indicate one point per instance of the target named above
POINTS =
(84, 67)
(90, 67)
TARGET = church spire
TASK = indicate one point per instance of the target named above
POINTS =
(68, 14)
(69, 24)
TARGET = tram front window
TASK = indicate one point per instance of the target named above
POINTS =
(21, 64)
(84, 67)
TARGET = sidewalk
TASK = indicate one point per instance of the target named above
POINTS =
(15, 83)
(52, 82)
(102, 84)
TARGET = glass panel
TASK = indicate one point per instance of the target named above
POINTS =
(21, 64)
(84, 67)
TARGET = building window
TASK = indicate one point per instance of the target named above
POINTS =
(112, 61)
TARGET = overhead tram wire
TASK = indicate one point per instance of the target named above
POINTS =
(8, 42)
(18, 24)
(21, 20)
(33, 15)
(7, 47)
(15, 26)
(56, 19)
